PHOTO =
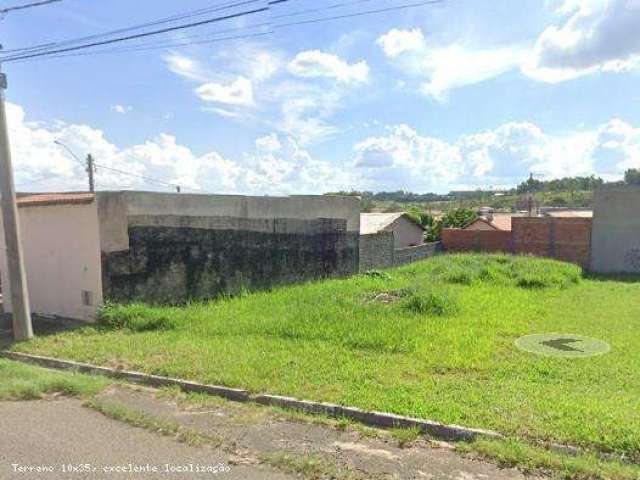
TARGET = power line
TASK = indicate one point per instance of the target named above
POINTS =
(320, 9)
(143, 177)
(28, 5)
(153, 46)
(160, 21)
(123, 172)
(360, 14)
(186, 40)
(51, 48)
(135, 36)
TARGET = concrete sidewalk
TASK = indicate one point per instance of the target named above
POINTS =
(255, 442)
(340, 451)
(55, 434)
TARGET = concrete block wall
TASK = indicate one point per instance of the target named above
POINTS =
(171, 248)
(615, 246)
(378, 251)
(406, 255)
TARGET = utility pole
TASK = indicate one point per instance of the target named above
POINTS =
(90, 170)
(22, 327)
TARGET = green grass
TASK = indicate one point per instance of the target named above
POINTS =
(441, 347)
(24, 382)
(531, 459)
(151, 423)
(406, 436)
(310, 466)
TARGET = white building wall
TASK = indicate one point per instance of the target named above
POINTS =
(62, 259)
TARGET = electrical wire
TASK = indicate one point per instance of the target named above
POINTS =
(123, 172)
(135, 36)
(184, 42)
(144, 48)
(143, 177)
(170, 19)
(360, 14)
(153, 46)
(28, 5)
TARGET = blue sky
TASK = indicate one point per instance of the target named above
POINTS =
(458, 94)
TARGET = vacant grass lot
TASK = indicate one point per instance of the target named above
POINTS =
(433, 339)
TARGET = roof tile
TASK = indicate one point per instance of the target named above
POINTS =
(46, 199)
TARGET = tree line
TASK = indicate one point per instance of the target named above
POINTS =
(531, 185)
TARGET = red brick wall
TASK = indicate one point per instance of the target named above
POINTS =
(567, 239)
(456, 240)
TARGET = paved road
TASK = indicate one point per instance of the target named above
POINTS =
(61, 432)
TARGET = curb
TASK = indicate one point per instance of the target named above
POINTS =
(378, 419)
(375, 419)
(235, 394)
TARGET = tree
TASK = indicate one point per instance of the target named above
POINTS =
(632, 176)
(458, 218)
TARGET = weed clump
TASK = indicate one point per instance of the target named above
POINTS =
(434, 304)
(136, 317)
(377, 274)
(520, 271)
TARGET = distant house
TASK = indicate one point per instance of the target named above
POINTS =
(406, 231)
(493, 222)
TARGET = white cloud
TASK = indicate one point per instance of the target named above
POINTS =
(593, 36)
(305, 110)
(263, 65)
(121, 109)
(240, 92)
(186, 67)
(280, 165)
(277, 164)
(404, 159)
(269, 143)
(597, 36)
(315, 63)
(616, 147)
(457, 66)
(396, 41)
(443, 68)
(256, 86)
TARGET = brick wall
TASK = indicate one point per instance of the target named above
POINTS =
(567, 239)
(456, 240)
